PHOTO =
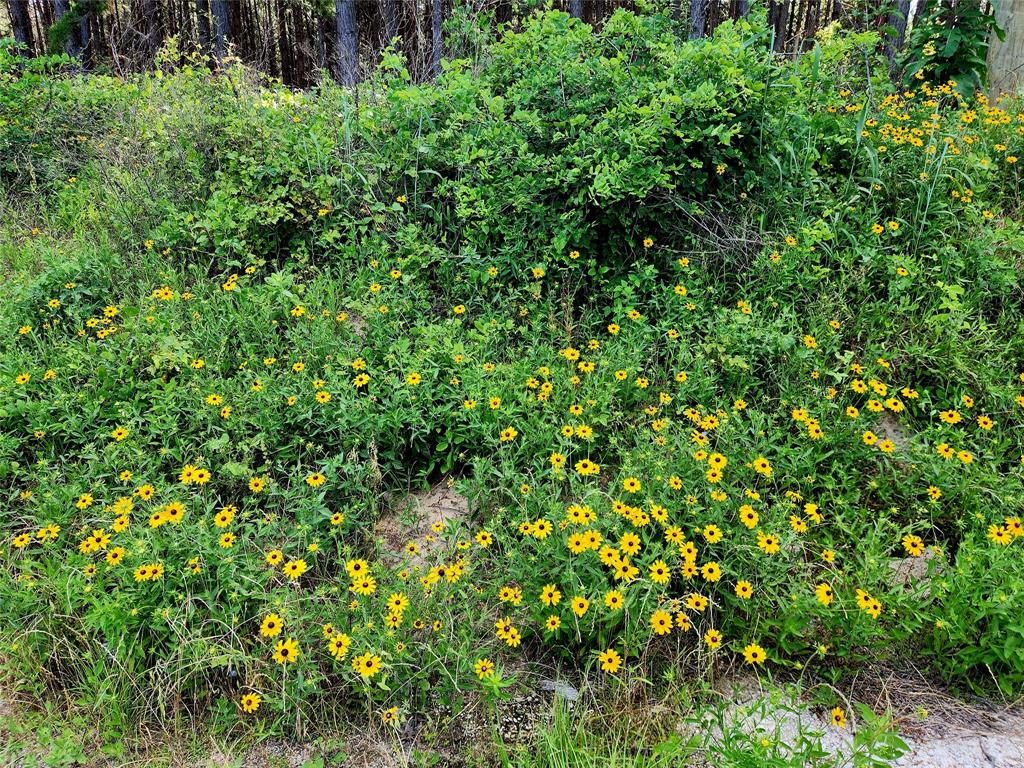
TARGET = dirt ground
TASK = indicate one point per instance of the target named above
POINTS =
(941, 731)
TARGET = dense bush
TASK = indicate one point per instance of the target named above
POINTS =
(561, 135)
(708, 339)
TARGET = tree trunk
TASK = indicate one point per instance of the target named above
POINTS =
(233, 32)
(392, 13)
(698, 18)
(330, 44)
(898, 21)
(742, 9)
(777, 13)
(84, 40)
(1006, 57)
(811, 23)
(437, 36)
(186, 19)
(267, 51)
(322, 33)
(150, 25)
(576, 8)
(346, 34)
(221, 25)
(413, 39)
(203, 25)
(60, 9)
(21, 21)
(284, 50)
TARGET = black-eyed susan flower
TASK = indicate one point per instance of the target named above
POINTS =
(661, 622)
(286, 651)
(580, 605)
(660, 572)
(610, 661)
(271, 625)
(274, 557)
(338, 645)
(713, 639)
(250, 702)
(294, 569)
(484, 668)
(823, 593)
(754, 654)
(613, 600)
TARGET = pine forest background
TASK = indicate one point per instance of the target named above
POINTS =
(299, 41)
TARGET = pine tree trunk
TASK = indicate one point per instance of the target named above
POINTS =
(437, 36)
(346, 33)
(203, 25)
(221, 25)
(112, 33)
(391, 10)
(1006, 57)
(266, 50)
(811, 23)
(330, 45)
(84, 39)
(778, 11)
(322, 33)
(698, 18)
(149, 25)
(284, 50)
(898, 21)
(71, 47)
(413, 42)
(21, 20)
(576, 8)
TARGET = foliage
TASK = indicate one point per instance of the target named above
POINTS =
(709, 340)
(949, 43)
